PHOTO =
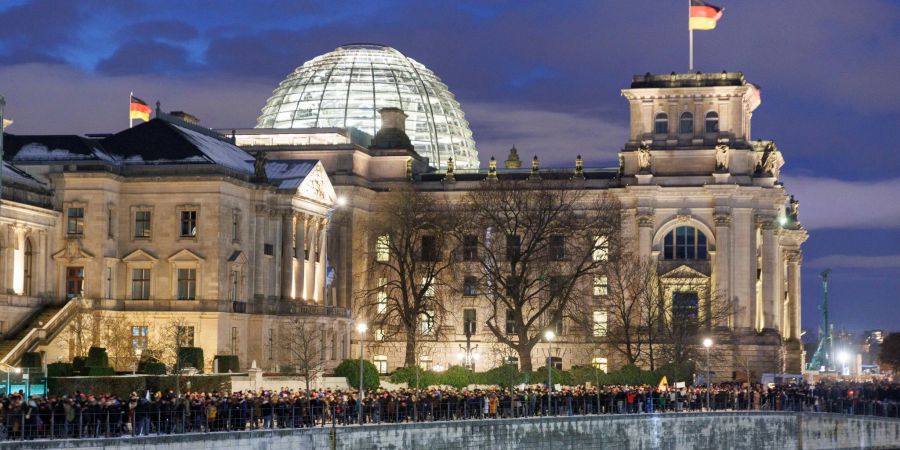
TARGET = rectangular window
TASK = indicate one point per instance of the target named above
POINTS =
(75, 221)
(557, 248)
(513, 246)
(429, 248)
(268, 249)
(470, 286)
(685, 309)
(381, 364)
(470, 248)
(142, 224)
(600, 318)
(234, 340)
(557, 325)
(109, 282)
(556, 362)
(188, 223)
(187, 284)
(601, 248)
(510, 322)
(74, 281)
(140, 284)
(379, 334)
(601, 286)
(139, 336)
(235, 226)
(557, 287)
(600, 363)
(235, 286)
(184, 336)
(381, 300)
(426, 321)
(110, 221)
(383, 248)
(469, 321)
(430, 282)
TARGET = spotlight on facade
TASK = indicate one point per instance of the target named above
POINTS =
(341, 200)
(438, 368)
(361, 328)
(783, 220)
(549, 335)
(843, 357)
(707, 342)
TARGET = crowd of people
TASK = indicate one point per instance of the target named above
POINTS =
(79, 414)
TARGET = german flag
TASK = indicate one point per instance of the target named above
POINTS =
(704, 16)
(139, 110)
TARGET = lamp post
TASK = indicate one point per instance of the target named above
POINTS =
(549, 336)
(707, 343)
(361, 328)
(843, 358)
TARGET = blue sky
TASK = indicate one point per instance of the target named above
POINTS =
(544, 76)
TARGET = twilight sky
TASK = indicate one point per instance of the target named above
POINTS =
(542, 75)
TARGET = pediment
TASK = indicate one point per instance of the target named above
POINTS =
(185, 255)
(238, 258)
(140, 255)
(317, 187)
(72, 252)
(684, 271)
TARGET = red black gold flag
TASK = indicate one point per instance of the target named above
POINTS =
(704, 16)
(139, 109)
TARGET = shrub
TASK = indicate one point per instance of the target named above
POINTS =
(97, 357)
(678, 372)
(588, 374)
(506, 375)
(101, 371)
(228, 363)
(349, 368)
(31, 360)
(458, 377)
(192, 357)
(120, 386)
(195, 383)
(79, 364)
(408, 375)
(558, 376)
(59, 369)
(151, 366)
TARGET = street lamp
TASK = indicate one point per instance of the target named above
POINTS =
(707, 343)
(843, 357)
(361, 328)
(549, 336)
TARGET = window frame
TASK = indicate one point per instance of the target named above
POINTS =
(75, 221)
(383, 248)
(141, 286)
(148, 232)
(182, 220)
(191, 283)
(711, 117)
(686, 120)
(679, 245)
(661, 123)
(470, 247)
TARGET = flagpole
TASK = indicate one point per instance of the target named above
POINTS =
(690, 41)
(130, 98)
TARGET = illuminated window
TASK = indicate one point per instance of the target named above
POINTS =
(685, 243)
(661, 124)
(139, 336)
(426, 322)
(381, 296)
(425, 362)
(383, 248)
(379, 334)
(140, 284)
(469, 320)
(601, 286)
(430, 282)
(188, 224)
(600, 363)
(686, 124)
(381, 363)
(600, 318)
(510, 322)
(601, 248)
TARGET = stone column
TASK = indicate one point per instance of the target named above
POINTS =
(300, 237)
(770, 288)
(722, 269)
(645, 233)
(259, 272)
(287, 263)
(793, 287)
(743, 257)
(321, 266)
(309, 264)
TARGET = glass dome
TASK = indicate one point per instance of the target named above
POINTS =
(347, 87)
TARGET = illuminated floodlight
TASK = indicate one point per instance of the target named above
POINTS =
(361, 327)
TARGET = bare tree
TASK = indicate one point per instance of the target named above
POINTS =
(302, 343)
(407, 264)
(118, 340)
(537, 246)
(82, 332)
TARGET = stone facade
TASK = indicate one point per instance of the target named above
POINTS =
(690, 163)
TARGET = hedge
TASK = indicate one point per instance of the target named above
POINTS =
(59, 369)
(191, 357)
(79, 364)
(349, 368)
(123, 386)
(228, 363)
(97, 357)
(151, 367)
(31, 360)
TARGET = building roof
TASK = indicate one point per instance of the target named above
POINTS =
(52, 147)
(676, 80)
(289, 173)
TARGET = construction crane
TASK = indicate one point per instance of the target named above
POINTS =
(823, 360)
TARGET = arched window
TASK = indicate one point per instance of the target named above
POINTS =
(686, 124)
(29, 265)
(661, 124)
(712, 122)
(686, 243)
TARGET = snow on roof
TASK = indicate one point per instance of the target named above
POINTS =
(218, 151)
(16, 175)
(36, 151)
(289, 173)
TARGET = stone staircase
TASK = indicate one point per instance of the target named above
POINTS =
(37, 320)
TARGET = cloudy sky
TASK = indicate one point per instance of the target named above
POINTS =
(542, 75)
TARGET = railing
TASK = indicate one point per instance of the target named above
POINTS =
(63, 420)
(280, 307)
(36, 334)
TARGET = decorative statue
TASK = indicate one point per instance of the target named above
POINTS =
(259, 166)
(492, 168)
(722, 158)
(644, 159)
(579, 168)
(795, 208)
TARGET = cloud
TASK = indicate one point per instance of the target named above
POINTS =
(146, 57)
(555, 136)
(856, 262)
(832, 203)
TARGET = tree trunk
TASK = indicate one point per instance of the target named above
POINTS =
(524, 358)
(410, 359)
